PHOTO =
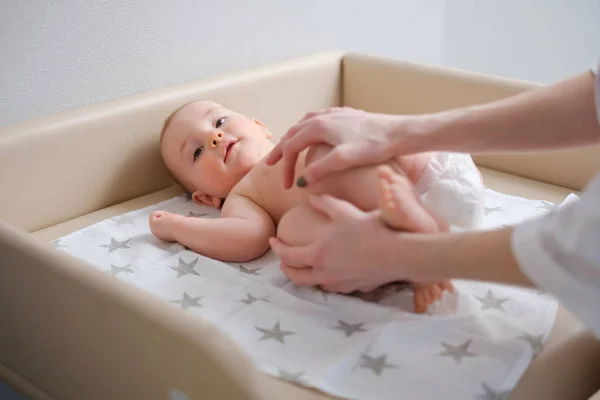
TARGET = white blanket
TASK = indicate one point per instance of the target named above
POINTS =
(474, 344)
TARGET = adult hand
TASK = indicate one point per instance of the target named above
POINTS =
(355, 251)
(359, 138)
(342, 260)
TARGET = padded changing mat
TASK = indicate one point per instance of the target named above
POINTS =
(474, 344)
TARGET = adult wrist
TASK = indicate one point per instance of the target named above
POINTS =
(405, 256)
(417, 133)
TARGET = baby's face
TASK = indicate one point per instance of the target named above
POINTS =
(209, 148)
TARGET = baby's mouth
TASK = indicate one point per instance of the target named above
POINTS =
(228, 149)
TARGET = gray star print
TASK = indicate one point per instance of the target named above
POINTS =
(56, 244)
(458, 352)
(376, 364)
(322, 292)
(177, 395)
(124, 219)
(274, 333)
(185, 268)
(489, 301)
(187, 301)
(490, 394)
(116, 245)
(196, 215)
(114, 270)
(536, 342)
(247, 271)
(294, 378)
(251, 299)
(349, 329)
(187, 197)
(546, 205)
(489, 210)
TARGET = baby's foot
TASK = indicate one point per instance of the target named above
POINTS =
(162, 225)
(401, 210)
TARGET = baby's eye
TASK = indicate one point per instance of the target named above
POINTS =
(220, 121)
(197, 153)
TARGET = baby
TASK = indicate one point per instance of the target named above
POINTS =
(217, 155)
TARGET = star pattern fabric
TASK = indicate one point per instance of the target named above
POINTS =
(251, 299)
(360, 346)
(188, 301)
(247, 271)
(489, 210)
(114, 269)
(458, 352)
(535, 341)
(275, 333)
(292, 377)
(184, 268)
(546, 205)
(490, 301)
(125, 219)
(375, 364)
(115, 245)
(196, 215)
(489, 394)
(350, 329)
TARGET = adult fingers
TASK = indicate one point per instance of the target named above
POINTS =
(315, 113)
(294, 146)
(300, 276)
(340, 158)
(330, 110)
(292, 256)
(331, 206)
(275, 155)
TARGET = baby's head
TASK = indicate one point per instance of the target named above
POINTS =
(209, 149)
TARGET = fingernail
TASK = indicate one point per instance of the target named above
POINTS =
(301, 182)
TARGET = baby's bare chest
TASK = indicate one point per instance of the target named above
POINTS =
(264, 186)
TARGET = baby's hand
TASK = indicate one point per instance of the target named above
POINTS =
(162, 225)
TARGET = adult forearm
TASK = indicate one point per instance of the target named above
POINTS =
(482, 256)
(552, 117)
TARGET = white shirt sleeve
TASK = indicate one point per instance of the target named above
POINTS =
(560, 252)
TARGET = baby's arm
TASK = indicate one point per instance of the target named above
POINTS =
(241, 234)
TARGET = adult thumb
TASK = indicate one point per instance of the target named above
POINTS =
(330, 206)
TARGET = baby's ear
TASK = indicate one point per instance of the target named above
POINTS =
(263, 126)
(201, 198)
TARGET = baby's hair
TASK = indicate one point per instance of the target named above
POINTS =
(165, 126)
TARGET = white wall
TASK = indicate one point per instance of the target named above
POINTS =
(60, 54)
(536, 40)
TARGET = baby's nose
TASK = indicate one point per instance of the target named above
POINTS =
(216, 139)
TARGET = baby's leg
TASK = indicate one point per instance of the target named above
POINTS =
(358, 186)
(363, 187)
(396, 195)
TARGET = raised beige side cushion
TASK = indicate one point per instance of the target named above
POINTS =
(77, 334)
(62, 166)
(399, 87)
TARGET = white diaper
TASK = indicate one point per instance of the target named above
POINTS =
(451, 186)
